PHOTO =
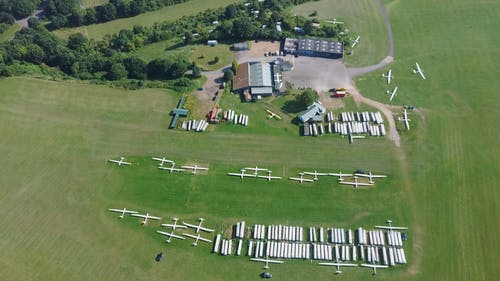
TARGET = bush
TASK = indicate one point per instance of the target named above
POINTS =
(307, 98)
(228, 75)
(196, 71)
(7, 18)
(117, 72)
(22, 8)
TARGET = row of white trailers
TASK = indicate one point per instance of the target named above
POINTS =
(335, 235)
(239, 229)
(225, 246)
(383, 255)
(231, 116)
(377, 237)
(259, 231)
(311, 129)
(275, 249)
(365, 116)
(330, 117)
(285, 232)
(278, 232)
(195, 125)
(371, 254)
(358, 128)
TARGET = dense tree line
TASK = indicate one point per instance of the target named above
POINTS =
(6, 20)
(236, 22)
(111, 58)
(63, 13)
(19, 8)
(83, 58)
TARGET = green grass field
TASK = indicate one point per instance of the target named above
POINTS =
(362, 17)
(203, 55)
(59, 135)
(5, 36)
(173, 47)
(57, 185)
(169, 13)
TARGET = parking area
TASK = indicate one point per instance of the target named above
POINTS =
(318, 73)
(259, 48)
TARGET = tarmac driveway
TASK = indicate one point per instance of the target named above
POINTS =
(320, 74)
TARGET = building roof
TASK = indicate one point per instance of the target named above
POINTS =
(252, 74)
(262, 91)
(277, 76)
(260, 74)
(241, 79)
(314, 109)
(320, 45)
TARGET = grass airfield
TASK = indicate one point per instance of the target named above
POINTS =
(59, 185)
(56, 184)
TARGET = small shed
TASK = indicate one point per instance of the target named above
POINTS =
(212, 42)
(243, 46)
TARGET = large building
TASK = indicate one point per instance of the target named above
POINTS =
(256, 80)
(314, 47)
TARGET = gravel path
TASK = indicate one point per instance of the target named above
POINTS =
(356, 71)
(38, 13)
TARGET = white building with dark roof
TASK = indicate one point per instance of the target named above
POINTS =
(314, 47)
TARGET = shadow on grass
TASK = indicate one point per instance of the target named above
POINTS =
(292, 106)
(212, 62)
(175, 46)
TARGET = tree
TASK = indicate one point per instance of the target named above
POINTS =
(307, 97)
(234, 66)
(77, 41)
(62, 7)
(188, 37)
(216, 59)
(158, 68)
(231, 11)
(22, 8)
(228, 75)
(136, 67)
(35, 54)
(226, 29)
(106, 12)
(308, 27)
(7, 18)
(178, 68)
(196, 71)
(117, 72)
(58, 22)
(76, 18)
(244, 28)
(90, 16)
